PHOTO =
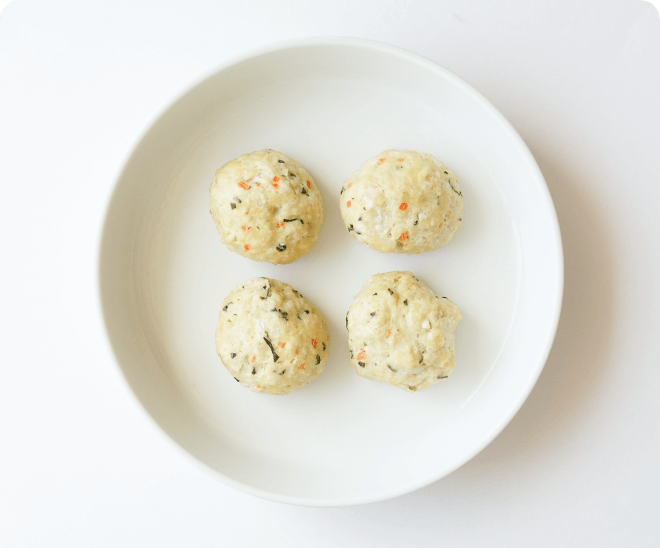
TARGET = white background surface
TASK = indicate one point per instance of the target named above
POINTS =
(81, 464)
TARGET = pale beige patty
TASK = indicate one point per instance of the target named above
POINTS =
(401, 333)
(270, 338)
(402, 201)
(266, 207)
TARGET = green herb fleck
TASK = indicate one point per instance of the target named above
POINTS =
(270, 345)
(456, 191)
(282, 313)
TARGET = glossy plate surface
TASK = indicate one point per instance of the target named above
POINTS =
(331, 103)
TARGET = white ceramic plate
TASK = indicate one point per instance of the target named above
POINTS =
(331, 103)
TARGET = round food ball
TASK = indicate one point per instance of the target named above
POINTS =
(401, 333)
(270, 338)
(266, 207)
(402, 202)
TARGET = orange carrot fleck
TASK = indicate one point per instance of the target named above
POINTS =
(349, 185)
(282, 344)
(314, 343)
(348, 204)
(380, 162)
(246, 228)
(275, 185)
(399, 159)
(247, 247)
(403, 206)
(302, 366)
(362, 354)
(254, 359)
(389, 333)
(259, 386)
(258, 184)
(276, 179)
(247, 212)
(296, 351)
(280, 224)
(404, 236)
(243, 185)
(309, 185)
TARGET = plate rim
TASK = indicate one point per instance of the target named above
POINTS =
(428, 64)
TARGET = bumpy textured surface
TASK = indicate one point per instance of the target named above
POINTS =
(270, 338)
(401, 333)
(266, 207)
(403, 202)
